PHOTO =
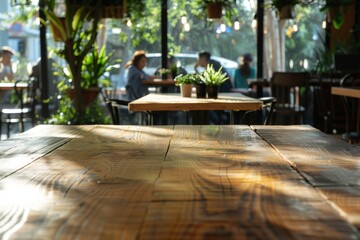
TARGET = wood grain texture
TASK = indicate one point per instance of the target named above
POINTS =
(322, 159)
(186, 182)
(97, 186)
(174, 102)
(225, 182)
(327, 163)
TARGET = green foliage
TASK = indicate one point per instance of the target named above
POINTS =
(95, 66)
(67, 115)
(324, 59)
(212, 77)
(338, 18)
(187, 79)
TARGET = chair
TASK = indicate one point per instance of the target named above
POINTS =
(114, 106)
(24, 111)
(291, 92)
(268, 109)
(352, 109)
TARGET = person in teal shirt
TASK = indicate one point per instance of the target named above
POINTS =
(244, 72)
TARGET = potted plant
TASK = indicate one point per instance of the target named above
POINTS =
(200, 87)
(336, 11)
(212, 80)
(284, 8)
(164, 73)
(78, 33)
(186, 82)
(95, 66)
(214, 7)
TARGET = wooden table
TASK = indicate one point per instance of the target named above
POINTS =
(346, 91)
(7, 86)
(159, 82)
(178, 182)
(174, 102)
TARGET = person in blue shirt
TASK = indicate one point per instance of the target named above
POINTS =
(244, 72)
(136, 76)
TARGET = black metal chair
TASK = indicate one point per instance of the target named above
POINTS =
(291, 92)
(265, 115)
(114, 106)
(352, 109)
(24, 111)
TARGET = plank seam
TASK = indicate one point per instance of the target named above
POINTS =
(56, 146)
(331, 204)
(138, 236)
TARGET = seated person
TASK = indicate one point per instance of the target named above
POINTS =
(244, 72)
(135, 86)
(215, 117)
(6, 72)
(173, 67)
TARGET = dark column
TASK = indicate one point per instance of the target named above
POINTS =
(357, 21)
(164, 31)
(260, 38)
(44, 66)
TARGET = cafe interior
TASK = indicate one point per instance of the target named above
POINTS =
(170, 119)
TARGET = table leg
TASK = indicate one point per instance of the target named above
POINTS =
(21, 126)
(199, 117)
(358, 117)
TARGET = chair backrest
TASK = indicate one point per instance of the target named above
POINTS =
(290, 88)
(27, 98)
(113, 106)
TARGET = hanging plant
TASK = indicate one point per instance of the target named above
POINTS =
(214, 8)
(284, 8)
(335, 11)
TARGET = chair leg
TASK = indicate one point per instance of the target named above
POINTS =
(8, 126)
(0, 126)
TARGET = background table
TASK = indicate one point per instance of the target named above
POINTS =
(178, 182)
(174, 102)
(159, 82)
(11, 85)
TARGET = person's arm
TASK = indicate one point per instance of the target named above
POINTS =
(196, 65)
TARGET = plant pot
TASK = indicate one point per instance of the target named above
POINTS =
(108, 10)
(286, 12)
(214, 10)
(164, 76)
(212, 91)
(200, 90)
(114, 11)
(186, 90)
(89, 95)
(56, 31)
